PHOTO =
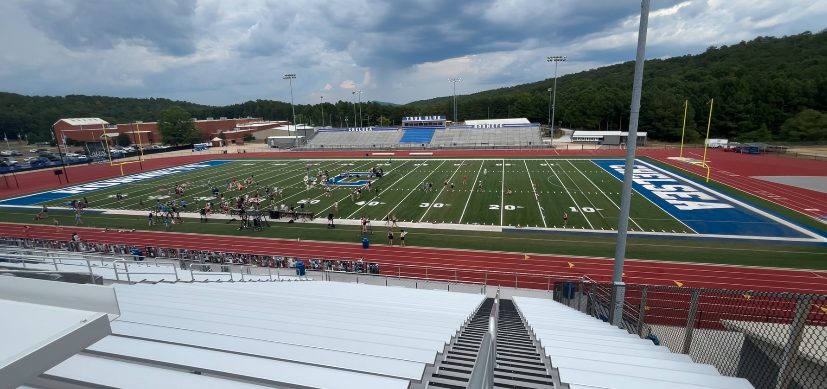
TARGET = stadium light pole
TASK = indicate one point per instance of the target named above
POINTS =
(549, 111)
(618, 286)
(358, 92)
(455, 81)
(290, 77)
(556, 59)
(321, 106)
(354, 108)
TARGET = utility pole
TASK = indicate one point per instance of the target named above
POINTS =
(555, 59)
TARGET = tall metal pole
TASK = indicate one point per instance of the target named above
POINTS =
(556, 59)
(631, 143)
(321, 105)
(455, 81)
(290, 78)
(354, 107)
(359, 92)
(549, 112)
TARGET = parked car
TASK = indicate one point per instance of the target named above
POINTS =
(5, 153)
(9, 162)
(72, 155)
(38, 151)
(83, 158)
(30, 159)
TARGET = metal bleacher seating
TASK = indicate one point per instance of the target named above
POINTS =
(593, 354)
(487, 137)
(289, 334)
(355, 139)
(451, 137)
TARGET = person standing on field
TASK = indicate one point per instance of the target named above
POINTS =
(565, 218)
(402, 235)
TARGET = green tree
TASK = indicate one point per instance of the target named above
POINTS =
(123, 139)
(176, 127)
(807, 125)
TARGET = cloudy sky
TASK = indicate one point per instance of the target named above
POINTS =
(229, 51)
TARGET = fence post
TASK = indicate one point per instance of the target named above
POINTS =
(515, 281)
(270, 274)
(580, 295)
(618, 299)
(174, 269)
(690, 320)
(788, 359)
(641, 315)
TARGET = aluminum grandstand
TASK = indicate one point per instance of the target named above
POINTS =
(149, 325)
(431, 132)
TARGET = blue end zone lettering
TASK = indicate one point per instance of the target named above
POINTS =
(696, 205)
(42, 197)
(339, 179)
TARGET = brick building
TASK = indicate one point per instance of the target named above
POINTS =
(81, 129)
(95, 129)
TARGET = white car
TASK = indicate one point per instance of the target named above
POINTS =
(6, 153)
(30, 159)
(82, 157)
(72, 155)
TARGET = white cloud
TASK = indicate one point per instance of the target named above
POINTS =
(221, 52)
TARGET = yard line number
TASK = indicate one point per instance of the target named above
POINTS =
(585, 209)
(507, 207)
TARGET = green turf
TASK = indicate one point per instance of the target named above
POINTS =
(541, 191)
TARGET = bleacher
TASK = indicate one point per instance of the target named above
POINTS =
(417, 135)
(516, 137)
(308, 334)
(355, 139)
(589, 353)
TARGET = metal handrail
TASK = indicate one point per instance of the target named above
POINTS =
(482, 376)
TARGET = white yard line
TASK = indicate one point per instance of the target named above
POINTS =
(474, 185)
(431, 204)
(502, 194)
(588, 198)
(536, 197)
(320, 213)
(570, 196)
(148, 187)
(601, 191)
(391, 186)
(410, 192)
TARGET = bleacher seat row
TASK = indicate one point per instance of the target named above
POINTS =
(300, 334)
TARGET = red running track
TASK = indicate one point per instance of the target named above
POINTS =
(497, 268)
(736, 170)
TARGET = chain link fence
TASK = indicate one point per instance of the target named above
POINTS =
(774, 340)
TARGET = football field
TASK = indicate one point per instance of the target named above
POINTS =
(554, 193)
